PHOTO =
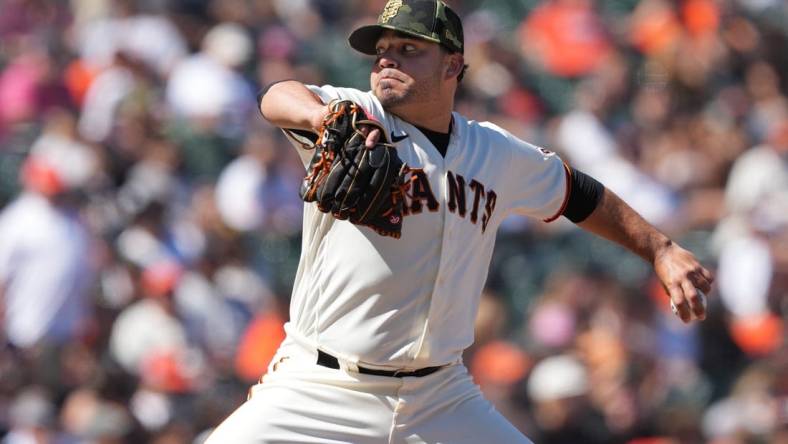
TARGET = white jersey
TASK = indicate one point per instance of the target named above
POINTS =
(411, 302)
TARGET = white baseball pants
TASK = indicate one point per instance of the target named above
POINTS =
(302, 402)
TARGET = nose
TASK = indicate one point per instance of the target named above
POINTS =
(386, 61)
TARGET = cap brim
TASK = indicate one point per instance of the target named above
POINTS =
(365, 38)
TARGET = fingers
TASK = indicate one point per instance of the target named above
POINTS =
(685, 280)
(679, 303)
(687, 302)
(372, 138)
(704, 279)
(696, 303)
(687, 298)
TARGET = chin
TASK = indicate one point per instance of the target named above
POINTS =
(389, 98)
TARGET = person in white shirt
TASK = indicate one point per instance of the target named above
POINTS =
(45, 268)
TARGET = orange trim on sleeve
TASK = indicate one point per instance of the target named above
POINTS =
(566, 195)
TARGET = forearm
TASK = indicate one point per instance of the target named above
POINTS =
(289, 104)
(677, 269)
(613, 219)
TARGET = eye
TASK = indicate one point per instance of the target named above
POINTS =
(380, 50)
(408, 47)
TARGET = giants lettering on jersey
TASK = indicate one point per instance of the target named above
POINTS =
(480, 202)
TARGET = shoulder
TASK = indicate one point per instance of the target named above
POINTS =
(758, 164)
(493, 136)
(758, 155)
(25, 205)
(27, 214)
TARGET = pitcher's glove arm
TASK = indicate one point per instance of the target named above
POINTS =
(363, 185)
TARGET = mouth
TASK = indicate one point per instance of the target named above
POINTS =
(388, 82)
(390, 75)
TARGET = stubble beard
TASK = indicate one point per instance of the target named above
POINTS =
(391, 98)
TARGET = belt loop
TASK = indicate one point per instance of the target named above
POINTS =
(349, 366)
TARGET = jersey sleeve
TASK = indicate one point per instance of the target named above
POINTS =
(541, 181)
(366, 99)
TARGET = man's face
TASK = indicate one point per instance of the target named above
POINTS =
(406, 70)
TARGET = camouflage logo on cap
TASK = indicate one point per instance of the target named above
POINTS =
(391, 10)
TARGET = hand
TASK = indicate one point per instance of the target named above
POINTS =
(319, 114)
(681, 274)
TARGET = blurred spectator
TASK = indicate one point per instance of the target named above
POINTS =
(148, 327)
(45, 260)
(106, 93)
(105, 29)
(30, 86)
(558, 386)
(206, 88)
(87, 417)
(565, 37)
(258, 345)
(749, 237)
(32, 416)
(655, 27)
(255, 190)
(753, 410)
(589, 145)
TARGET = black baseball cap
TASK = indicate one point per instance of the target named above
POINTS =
(430, 20)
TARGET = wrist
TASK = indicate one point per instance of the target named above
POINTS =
(661, 245)
(318, 116)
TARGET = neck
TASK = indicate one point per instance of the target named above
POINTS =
(436, 118)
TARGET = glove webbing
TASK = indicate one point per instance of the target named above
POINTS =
(333, 145)
(328, 156)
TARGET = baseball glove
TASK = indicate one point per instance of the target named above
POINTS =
(362, 185)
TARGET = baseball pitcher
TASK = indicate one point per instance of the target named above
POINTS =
(403, 198)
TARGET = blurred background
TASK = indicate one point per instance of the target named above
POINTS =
(150, 221)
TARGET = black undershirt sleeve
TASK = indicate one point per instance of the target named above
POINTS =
(584, 196)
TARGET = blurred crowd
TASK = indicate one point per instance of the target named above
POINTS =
(150, 221)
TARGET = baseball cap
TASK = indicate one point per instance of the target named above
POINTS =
(430, 20)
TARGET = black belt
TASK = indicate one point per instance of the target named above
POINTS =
(329, 361)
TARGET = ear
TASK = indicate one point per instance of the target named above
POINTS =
(454, 64)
